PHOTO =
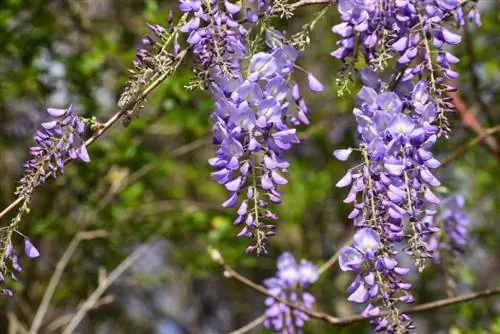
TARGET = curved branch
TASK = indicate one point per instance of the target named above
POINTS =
(473, 142)
(231, 273)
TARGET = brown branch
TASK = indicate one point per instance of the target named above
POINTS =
(104, 285)
(251, 325)
(473, 124)
(56, 276)
(473, 142)
(428, 306)
(107, 125)
(231, 273)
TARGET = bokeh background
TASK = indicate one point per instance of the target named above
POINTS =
(152, 178)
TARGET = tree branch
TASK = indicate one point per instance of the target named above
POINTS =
(56, 277)
(231, 273)
(107, 125)
(473, 142)
(251, 325)
(473, 124)
(104, 285)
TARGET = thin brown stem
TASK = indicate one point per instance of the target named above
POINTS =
(56, 276)
(473, 142)
(104, 285)
(251, 325)
(112, 120)
(231, 273)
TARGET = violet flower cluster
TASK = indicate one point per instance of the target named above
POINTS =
(454, 223)
(254, 119)
(378, 281)
(392, 189)
(414, 32)
(290, 283)
(58, 140)
(257, 106)
(9, 262)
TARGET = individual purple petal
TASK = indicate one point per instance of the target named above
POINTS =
(29, 249)
(83, 154)
(350, 258)
(56, 113)
(449, 37)
(342, 154)
(314, 84)
(366, 240)
(360, 295)
(345, 180)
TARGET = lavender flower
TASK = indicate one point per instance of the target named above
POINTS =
(378, 281)
(58, 140)
(449, 244)
(9, 260)
(254, 126)
(399, 29)
(290, 283)
(391, 191)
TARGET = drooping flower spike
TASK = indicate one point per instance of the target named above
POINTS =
(290, 283)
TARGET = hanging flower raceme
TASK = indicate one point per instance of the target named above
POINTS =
(378, 282)
(413, 32)
(216, 38)
(450, 243)
(455, 225)
(58, 140)
(290, 283)
(9, 260)
(254, 121)
(392, 189)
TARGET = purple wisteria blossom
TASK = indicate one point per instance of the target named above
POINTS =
(58, 140)
(9, 261)
(378, 282)
(400, 30)
(254, 120)
(454, 223)
(392, 190)
(290, 283)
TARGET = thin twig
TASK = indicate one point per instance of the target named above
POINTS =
(251, 325)
(334, 258)
(105, 127)
(473, 142)
(230, 273)
(428, 306)
(56, 277)
(104, 285)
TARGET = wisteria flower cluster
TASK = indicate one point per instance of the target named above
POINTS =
(258, 107)
(378, 281)
(413, 32)
(254, 119)
(9, 262)
(392, 190)
(448, 245)
(455, 225)
(290, 283)
(58, 140)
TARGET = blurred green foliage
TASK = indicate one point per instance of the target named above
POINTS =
(152, 178)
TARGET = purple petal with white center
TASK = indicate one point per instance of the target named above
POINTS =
(350, 258)
(366, 240)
